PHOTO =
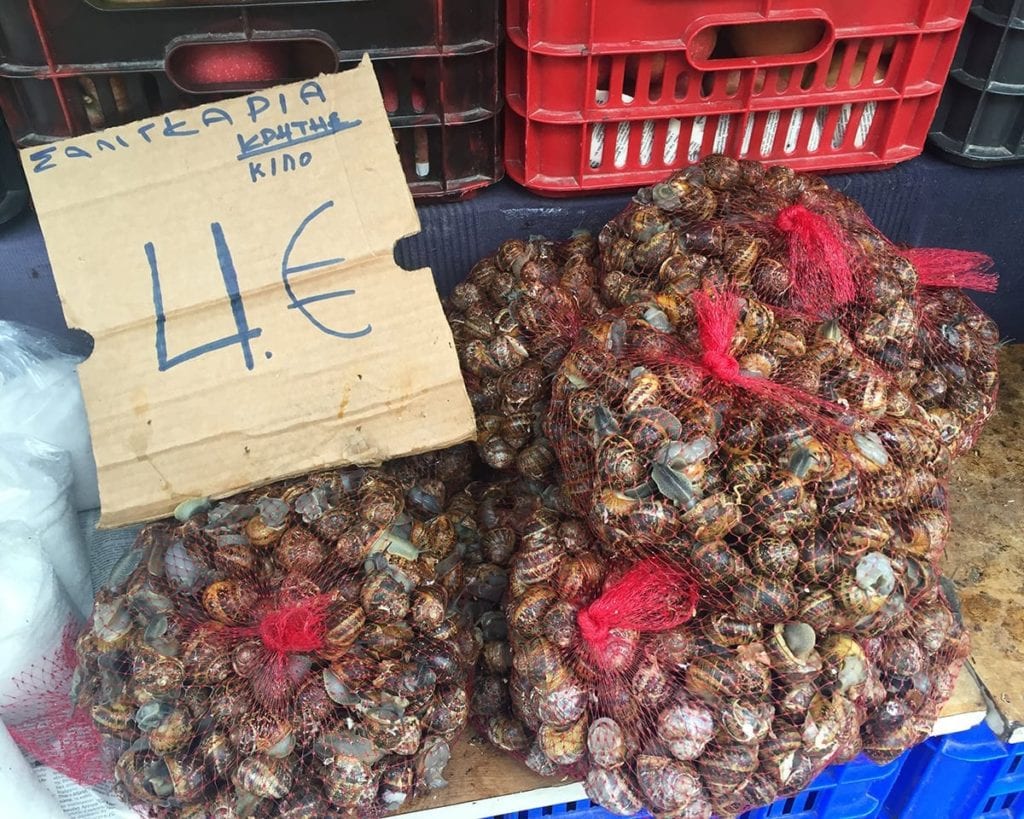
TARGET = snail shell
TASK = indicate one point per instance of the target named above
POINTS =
(560, 624)
(564, 746)
(347, 781)
(229, 601)
(526, 613)
(564, 704)
(763, 599)
(263, 776)
(614, 790)
(606, 743)
(746, 720)
(667, 783)
(686, 728)
(384, 598)
(507, 733)
(728, 765)
(829, 721)
(725, 630)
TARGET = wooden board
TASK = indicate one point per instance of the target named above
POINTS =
(986, 554)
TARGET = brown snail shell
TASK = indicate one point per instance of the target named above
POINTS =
(563, 705)
(175, 731)
(901, 656)
(579, 578)
(606, 743)
(263, 776)
(746, 720)
(844, 661)
(260, 534)
(651, 685)
(763, 599)
(507, 733)
(774, 557)
(817, 608)
(725, 630)
(667, 783)
(614, 790)
(538, 563)
(229, 601)
(793, 701)
(560, 624)
(791, 649)
(728, 765)
(347, 781)
(686, 728)
(384, 598)
(713, 517)
(564, 746)
(829, 721)
(299, 550)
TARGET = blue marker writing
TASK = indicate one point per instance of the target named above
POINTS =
(287, 270)
(244, 335)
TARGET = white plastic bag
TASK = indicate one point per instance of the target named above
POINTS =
(40, 397)
(35, 479)
(36, 617)
(21, 793)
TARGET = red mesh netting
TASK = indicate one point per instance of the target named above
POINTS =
(708, 710)
(295, 651)
(50, 728)
(795, 243)
(745, 471)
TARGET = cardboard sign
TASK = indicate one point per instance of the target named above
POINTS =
(234, 264)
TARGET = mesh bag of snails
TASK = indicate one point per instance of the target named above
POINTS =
(512, 320)
(294, 651)
(955, 367)
(761, 598)
(793, 242)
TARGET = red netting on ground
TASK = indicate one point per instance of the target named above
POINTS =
(49, 728)
(295, 651)
(794, 243)
(745, 471)
(508, 345)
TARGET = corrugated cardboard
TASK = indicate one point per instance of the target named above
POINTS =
(350, 359)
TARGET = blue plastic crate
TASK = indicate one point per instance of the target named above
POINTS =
(856, 790)
(970, 775)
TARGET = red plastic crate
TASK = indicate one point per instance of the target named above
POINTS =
(615, 93)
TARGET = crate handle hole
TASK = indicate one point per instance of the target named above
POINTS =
(214, 66)
(761, 42)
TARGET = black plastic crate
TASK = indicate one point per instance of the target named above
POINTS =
(445, 153)
(980, 120)
(40, 36)
(13, 190)
(68, 67)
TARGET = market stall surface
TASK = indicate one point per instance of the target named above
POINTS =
(985, 557)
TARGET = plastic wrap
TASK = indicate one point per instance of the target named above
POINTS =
(35, 616)
(40, 397)
(35, 490)
(20, 790)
